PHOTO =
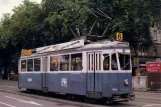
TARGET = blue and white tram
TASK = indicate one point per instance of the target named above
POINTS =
(96, 70)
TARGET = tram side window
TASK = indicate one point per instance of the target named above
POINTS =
(37, 63)
(106, 62)
(76, 62)
(64, 63)
(114, 64)
(29, 65)
(23, 65)
(54, 63)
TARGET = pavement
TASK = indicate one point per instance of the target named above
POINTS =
(13, 100)
(143, 98)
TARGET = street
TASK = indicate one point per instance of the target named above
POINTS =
(11, 96)
(13, 100)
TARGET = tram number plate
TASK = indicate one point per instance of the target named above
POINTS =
(114, 89)
(94, 94)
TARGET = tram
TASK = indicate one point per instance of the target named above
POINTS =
(97, 70)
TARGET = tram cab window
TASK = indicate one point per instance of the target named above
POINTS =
(54, 63)
(124, 60)
(29, 65)
(23, 65)
(37, 63)
(106, 62)
(76, 62)
(114, 64)
(64, 63)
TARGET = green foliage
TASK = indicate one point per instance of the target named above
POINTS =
(33, 25)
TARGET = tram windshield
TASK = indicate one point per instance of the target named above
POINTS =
(124, 60)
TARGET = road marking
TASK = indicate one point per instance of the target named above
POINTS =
(23, 101)
(7, 104)
(150, 105)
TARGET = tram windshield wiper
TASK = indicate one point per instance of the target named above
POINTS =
(126, 65)
(124, 60)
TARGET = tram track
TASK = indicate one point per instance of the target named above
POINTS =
(148, 100)
(146, 97)
(149, 93)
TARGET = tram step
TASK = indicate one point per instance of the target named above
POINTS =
(44, 89)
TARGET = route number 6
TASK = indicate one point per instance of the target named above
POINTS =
(119, 36)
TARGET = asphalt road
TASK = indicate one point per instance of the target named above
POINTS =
(10, 94)
(13, 100)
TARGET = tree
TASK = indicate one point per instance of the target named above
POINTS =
(34, 25)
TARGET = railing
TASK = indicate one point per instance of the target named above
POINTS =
(154, 86)
(141, 84)
(13, 77)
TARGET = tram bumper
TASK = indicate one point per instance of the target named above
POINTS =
(119, 97)
(132, 96)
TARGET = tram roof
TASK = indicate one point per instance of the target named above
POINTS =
(107, 44)
(78, 44)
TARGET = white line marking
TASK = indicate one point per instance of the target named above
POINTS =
(23, 101)
(152, 105)
(7, 104)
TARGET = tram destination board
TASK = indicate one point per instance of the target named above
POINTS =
(62, 46)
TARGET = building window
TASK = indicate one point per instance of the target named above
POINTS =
(64, 63)
(23, 65)
(76, 62)
(54, 63)
(37, 63)
(106, 62)
(29, 65)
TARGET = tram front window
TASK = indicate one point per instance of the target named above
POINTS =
(124, 60)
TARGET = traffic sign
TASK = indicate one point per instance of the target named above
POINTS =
(119, 36)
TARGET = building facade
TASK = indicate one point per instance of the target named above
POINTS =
(145, 54)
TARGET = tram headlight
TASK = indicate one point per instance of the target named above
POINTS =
(126, 82)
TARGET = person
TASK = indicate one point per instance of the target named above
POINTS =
(114, 65)
(12, 74)
(3, 76)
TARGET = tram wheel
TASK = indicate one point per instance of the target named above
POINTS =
(28, 90)
(108, 102)
(87, 100)
(70, 97)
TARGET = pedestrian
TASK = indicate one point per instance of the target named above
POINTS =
(12, 74)
(3, 76)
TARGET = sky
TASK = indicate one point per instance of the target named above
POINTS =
(6, 6)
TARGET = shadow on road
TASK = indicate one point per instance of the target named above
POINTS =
(78, 99)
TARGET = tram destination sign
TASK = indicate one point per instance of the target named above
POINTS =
(62, 46)
(26, 52)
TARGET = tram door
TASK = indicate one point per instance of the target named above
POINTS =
(94, 86)
(44, 71)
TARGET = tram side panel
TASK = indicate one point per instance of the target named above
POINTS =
(114, 83)
(30, 80)
(67, 83)
(110, 84)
